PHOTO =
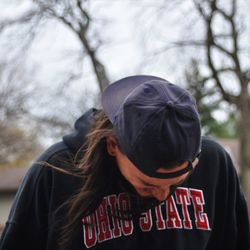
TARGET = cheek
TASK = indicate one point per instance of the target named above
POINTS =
(126, 173)
(122, 165)
(126, 168)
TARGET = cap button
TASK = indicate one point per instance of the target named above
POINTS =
(170, 104)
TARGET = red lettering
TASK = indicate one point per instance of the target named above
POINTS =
(115, 221)
(173, 218)
(160, 225)
(201, 219)
(89, 231)
(146, 221)
(124, 205)
(182, 197)
(104, 231)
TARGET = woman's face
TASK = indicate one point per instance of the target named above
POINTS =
(145, 186)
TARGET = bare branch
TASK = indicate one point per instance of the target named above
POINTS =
(246, 75)
(215, 76)
(234, 37)
(84, 14)
(192, 43)
(200, 10)
(210, 42)
(227, 69)
(221, 48)
(218, 71)
(65, 21)
(99, 68)
(178, 44)
(27, 17)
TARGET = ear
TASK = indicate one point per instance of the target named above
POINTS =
(112, 145)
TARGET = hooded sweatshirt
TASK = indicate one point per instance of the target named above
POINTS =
(207, 212)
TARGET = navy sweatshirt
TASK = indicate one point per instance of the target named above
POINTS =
(208, 211)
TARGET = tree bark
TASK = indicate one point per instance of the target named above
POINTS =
(99, 69)
(244, 107)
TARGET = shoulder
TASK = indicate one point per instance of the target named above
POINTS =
(58, 156)
(55, 152)
(215, 157)
(41, 192)
(210, 147)
(210, 144)
(42, 178)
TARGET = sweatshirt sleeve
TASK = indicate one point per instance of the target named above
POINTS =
(230, 228)
(27, 223)
(238, 213)
(241, 211)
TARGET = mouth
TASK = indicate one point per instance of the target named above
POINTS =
(139, 203)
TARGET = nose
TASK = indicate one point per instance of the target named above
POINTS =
(160, 194)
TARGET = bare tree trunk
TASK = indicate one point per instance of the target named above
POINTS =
(242, 101)
(245, 144)
(77, 18)
(98, 67)
(81, 32)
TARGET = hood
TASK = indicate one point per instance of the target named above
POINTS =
(76, 139)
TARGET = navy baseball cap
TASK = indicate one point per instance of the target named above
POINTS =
(156, 123)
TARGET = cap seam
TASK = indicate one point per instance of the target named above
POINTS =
(142, 129)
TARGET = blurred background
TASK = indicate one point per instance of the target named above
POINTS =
(56, 57)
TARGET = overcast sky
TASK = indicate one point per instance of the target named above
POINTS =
(133, 30)
(124, 47)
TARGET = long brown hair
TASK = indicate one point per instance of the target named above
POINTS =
(93, 171)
